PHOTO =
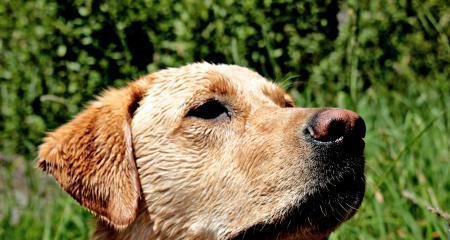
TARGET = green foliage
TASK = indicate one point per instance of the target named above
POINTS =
(387, 60)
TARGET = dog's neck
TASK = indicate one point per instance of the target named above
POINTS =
(144, 228)
(141, 228)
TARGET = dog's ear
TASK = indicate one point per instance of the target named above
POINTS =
(92, 156)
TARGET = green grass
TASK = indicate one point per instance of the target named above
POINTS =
(34, 207)
(407, 148)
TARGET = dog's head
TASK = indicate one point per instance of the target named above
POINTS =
(212, 151)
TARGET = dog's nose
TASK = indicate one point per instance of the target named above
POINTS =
(335, 124)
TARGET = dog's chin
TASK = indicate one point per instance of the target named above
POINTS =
(316, 215)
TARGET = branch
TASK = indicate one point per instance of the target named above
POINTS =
(439, 212)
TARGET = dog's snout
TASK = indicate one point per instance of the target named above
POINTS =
(334, 124)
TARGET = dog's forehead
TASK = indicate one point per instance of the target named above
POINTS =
(243, 78)
(246, 80)
(253, 85)
(222, 79)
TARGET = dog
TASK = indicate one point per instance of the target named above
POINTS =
(209, 151)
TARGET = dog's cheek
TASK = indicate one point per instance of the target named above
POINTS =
(174, 180)
(200, 135)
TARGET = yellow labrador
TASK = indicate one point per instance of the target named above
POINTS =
(209, 152)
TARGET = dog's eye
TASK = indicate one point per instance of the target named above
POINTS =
(289, 104)
(209, 110)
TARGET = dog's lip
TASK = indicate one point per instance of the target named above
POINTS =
(309, 214)
(347, 139)
(349, 144)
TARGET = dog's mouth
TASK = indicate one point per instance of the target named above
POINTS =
(315, 216)
(338, 191)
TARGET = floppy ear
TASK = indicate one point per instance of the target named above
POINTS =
(92, 156)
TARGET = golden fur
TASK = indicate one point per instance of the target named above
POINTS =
(149, 171)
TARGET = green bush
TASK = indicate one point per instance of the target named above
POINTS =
(55, 55)
(389, 60)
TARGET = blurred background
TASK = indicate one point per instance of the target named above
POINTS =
(387, 60)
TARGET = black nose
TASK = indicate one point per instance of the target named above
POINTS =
(331, 125)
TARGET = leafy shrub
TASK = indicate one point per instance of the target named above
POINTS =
(56, 55)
